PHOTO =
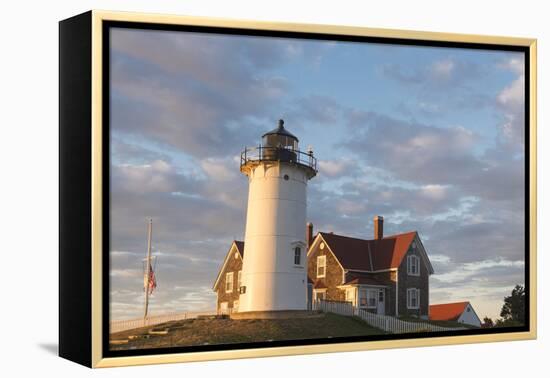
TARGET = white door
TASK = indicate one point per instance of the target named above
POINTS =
(223, 308)
(381, 309)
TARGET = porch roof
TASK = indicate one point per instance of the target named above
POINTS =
(366, 281)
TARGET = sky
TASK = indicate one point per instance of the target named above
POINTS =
(430, 138)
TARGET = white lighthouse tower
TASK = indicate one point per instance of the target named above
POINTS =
(274, 272)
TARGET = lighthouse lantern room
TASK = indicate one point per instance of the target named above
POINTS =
(274, 272)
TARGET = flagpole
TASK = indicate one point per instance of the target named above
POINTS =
(148, 266)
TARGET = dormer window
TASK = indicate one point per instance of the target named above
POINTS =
(413, 265)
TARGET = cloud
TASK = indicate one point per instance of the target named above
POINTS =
(155, 177)
(440, 74)
(336, 168)
(511, 100)
(515, 63)
(416, 152)
(220, 169)
(484, 283)
(320, 109)
(204, 103)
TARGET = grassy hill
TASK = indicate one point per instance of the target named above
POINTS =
(226, 331)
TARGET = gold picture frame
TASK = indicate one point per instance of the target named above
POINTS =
(87, 32)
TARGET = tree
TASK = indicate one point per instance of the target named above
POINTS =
(513, 310)
(487, 323)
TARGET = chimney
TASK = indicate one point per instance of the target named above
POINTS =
(378, 227)
(309, 234)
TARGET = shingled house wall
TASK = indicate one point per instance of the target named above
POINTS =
(333, 276)
(407, 281)
(234, 264)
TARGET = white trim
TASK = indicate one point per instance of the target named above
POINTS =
(299, 242)
(227, 275)
(324, 258)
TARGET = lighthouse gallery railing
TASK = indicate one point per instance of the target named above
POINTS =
(261, 153)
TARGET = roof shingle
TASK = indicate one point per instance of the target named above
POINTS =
(447, 311)
(369, 255)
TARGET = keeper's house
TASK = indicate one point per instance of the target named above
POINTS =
(387, 275)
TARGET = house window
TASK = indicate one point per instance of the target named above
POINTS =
(413, 298)
(362, 297)
(239, 282)
(413, 265)
(320, 295)
(297, 255)
(229, 282)
(372, 296)
(321, 266)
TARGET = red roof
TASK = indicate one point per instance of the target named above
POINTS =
(366, 281)
(369, 255)
(447, 311)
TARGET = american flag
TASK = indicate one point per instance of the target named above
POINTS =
(152, 280)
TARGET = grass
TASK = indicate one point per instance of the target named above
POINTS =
(193, 332)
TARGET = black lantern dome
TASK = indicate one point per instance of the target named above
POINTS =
(279, 145)
(280, 138)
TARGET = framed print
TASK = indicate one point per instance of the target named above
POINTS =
(235, 189)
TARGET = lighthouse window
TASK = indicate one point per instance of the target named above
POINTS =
(321, 266)
(285, 177)
(297, 255)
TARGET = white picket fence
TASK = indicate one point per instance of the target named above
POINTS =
(383, 322)
(123, 325)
